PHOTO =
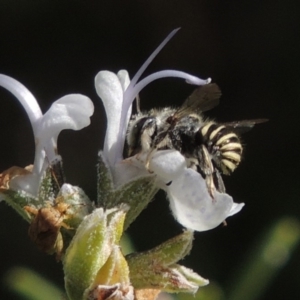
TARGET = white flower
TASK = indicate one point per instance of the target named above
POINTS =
(190, 201)
(69, 112)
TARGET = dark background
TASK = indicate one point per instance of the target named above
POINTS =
(250, 48)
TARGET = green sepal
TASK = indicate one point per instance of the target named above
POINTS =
(156, 268)
(90, 248)
(115, 221)
(18, 199)
(105, 186)
(47, 190)
(179, 279)
(115, 270)
(136, 194)
(165, 254)
(112, 279)
(193, 278)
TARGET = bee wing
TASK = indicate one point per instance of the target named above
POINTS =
(219, 181)
(205, 97)
(244, 125)
(202, 99)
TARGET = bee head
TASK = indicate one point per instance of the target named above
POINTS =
(140, 132)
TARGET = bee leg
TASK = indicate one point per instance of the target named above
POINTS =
(208, 170)
(156, 146)
(148, 158)
(210, 186)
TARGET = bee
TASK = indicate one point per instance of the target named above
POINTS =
(209, 147)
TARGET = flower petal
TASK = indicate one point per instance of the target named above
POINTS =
(109, 87)
(128, 170)
(236, 207)
(25, 97)
(69, 112)
(192, 205)
(167, 164)
(28, 183)
(124, 79)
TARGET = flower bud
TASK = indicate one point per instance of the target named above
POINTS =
(89, 252)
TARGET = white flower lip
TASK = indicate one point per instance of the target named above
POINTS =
(69, 112)
(192, 205)
(190, 201)
(167, 164)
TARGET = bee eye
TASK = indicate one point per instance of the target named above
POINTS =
(148, 123)
(142, 124)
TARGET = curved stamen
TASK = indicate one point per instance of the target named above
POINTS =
(150, 58)
(131, 94)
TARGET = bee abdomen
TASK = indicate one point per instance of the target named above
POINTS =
(224, 146)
